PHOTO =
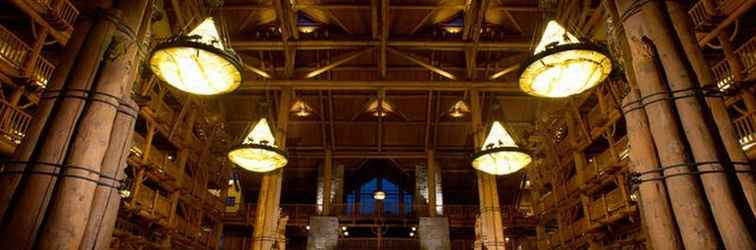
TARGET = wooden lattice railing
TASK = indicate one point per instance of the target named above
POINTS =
(13, 122)
(702, 18)
(59, 13)
(744, 126)
(747, 55)
(16, 53)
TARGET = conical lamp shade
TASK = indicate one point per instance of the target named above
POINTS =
(258, 152)
(499, 153)
(198, 62)
(563, 66)
(554, 34)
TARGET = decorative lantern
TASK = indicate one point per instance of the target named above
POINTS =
(258, 152)
(197, 63)
(499, 154)
(563, 66)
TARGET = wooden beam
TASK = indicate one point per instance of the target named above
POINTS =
(494, 86)
(363, 7)
(384, 38)
(259, 71)
(374, 19)
(421, 62)
(334, 64)
(514, 44)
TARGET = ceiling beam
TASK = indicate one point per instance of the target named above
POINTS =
(492, 86)
(357, 7)
(286, 29)
(421, 62)
(384, 39)
(517, 44)
(334, 64)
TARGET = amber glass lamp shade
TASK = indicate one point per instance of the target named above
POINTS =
(499, 154)
(258, 152)
(562, 66)
(197, 63)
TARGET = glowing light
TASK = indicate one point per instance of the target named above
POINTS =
(499, 154)
(301, 109)
(197, 63)
(412, 234)
(343, 228)
(379, 195)
(459, 109)
(385, 108)
(563, 66)
(258, 152)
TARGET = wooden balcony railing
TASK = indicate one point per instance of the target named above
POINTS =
(61, 14)
(457, 214)
(606, 204)
(13, 122)
(744, 126)
(348, 243)
(12, 49)
(702, 19)
(16, 53)
(747, 55)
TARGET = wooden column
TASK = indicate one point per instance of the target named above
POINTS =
(684, 29)
(488, 195)
(327, 182)
(69, 212)
(266, 219)
(30, 202)
(656, 214)
(688, 204)
(9, 182)
(696, 123)
(107, 200)
(431, 182)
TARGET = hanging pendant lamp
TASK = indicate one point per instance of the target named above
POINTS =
(197, 63)
(499, 154)
(563, 66)
(258, 152)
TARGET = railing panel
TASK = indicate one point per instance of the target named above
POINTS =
(12, 49)
(13, 122)
(745, 129)
(747, 55)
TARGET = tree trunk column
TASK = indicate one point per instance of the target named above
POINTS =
(688, 205)
(11, 176)
(29, 204)
(684, 29)
(695, 119)
(431, 175)
(488, 195)
(657, 215)
(268, 211)
(69, 213)
(327, 182)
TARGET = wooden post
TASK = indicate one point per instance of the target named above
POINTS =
(656, 213)
(716, 105)
(688, 205)
(490, 212)
(30, 202)
(15, 97)
(431, 182)
(24, 151)
(694, 118)
(327, 182)
(68, 215)
(266, 219)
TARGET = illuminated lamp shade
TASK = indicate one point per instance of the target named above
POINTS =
(459, 109)
(258, 152)
(379, 195)
(197, 63)
(499, 154)
(563, 66)
(383, 110)
(301, 109)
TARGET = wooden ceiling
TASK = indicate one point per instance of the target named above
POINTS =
(397, 49)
